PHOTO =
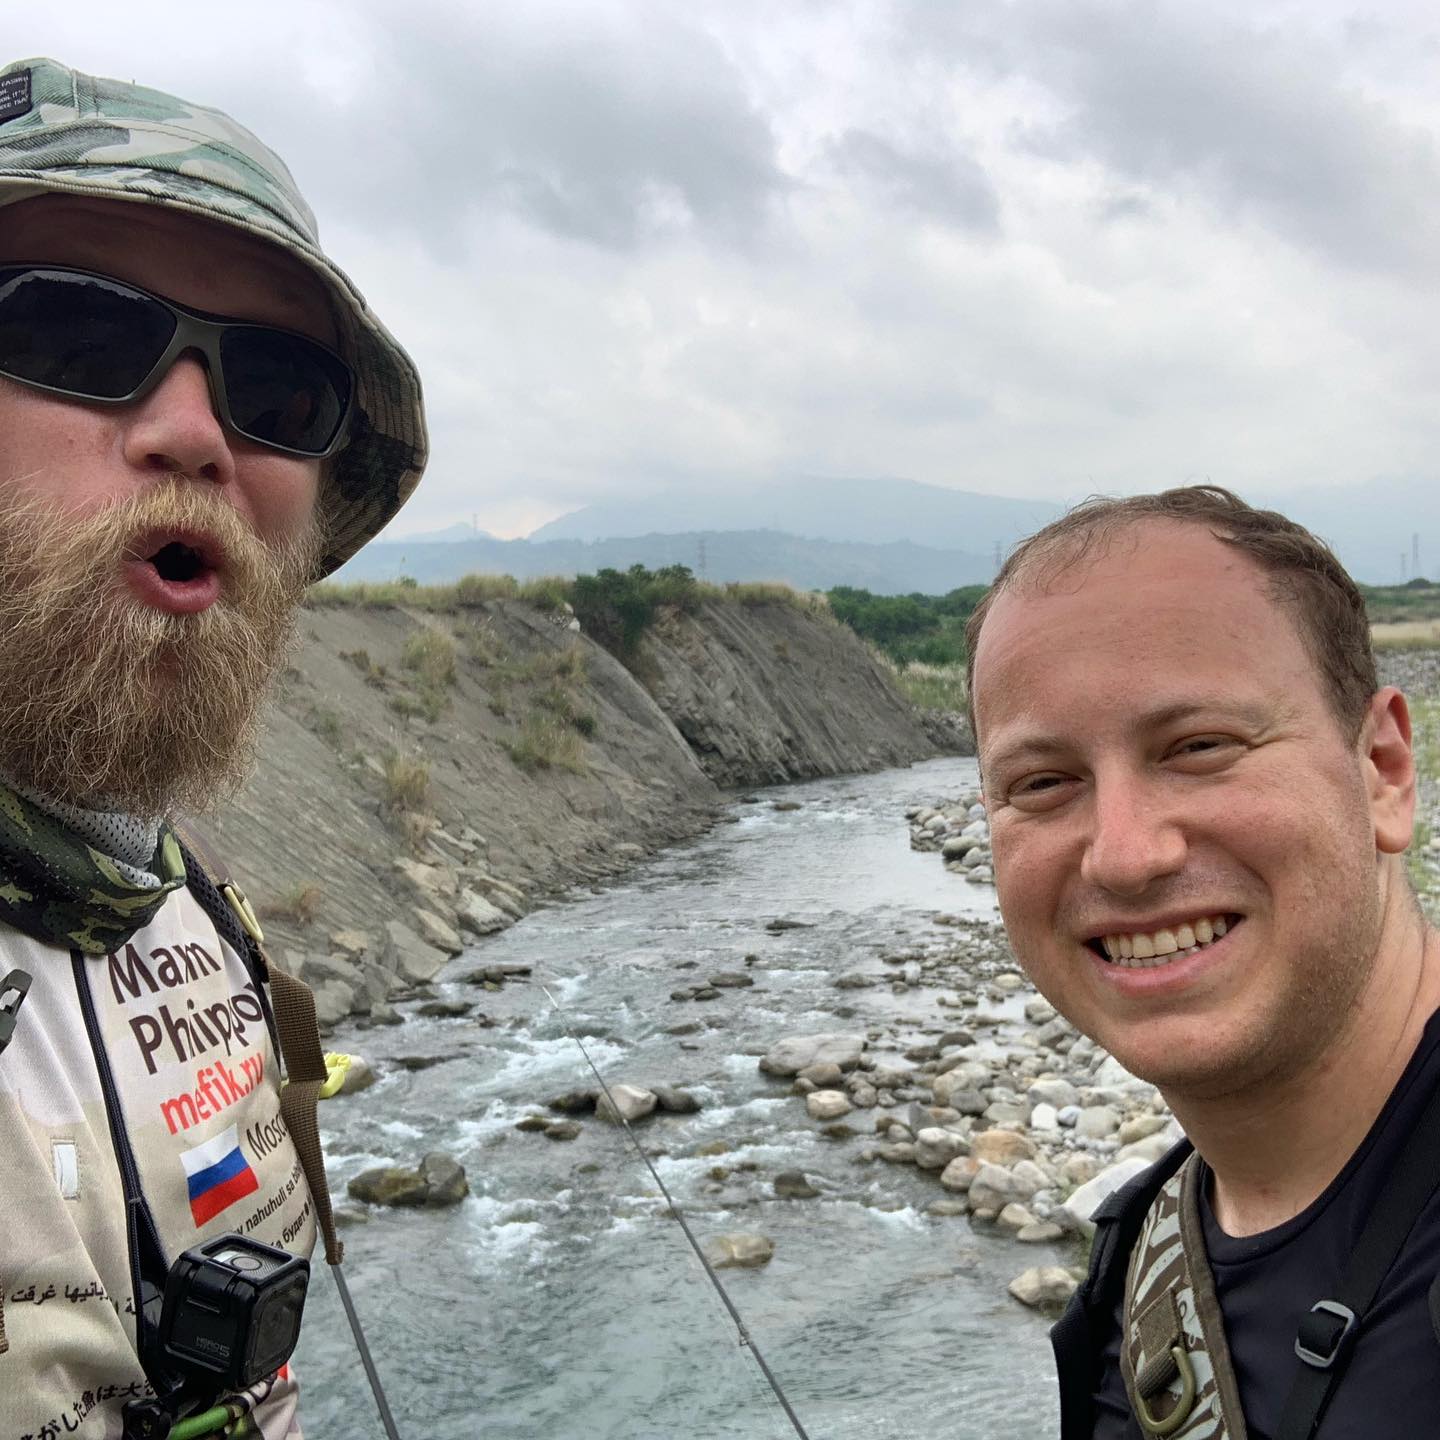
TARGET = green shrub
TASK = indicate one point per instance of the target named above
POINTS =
(616, 607)
(928, 628)
(325, 723)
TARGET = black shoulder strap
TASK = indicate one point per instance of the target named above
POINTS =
(1328, 1332)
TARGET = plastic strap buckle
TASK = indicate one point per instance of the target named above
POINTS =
(13, 989)
(1326, 1334)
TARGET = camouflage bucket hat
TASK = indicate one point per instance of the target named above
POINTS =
(68, 133)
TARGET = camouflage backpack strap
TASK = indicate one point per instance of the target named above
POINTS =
(1174, 1357)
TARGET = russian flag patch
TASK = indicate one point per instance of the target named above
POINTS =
(217, 1175)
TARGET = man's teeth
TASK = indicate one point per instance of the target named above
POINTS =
(1143, 951)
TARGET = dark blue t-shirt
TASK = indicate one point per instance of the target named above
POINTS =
(1266, 1283)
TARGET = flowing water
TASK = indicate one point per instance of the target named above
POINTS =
(560, 1300)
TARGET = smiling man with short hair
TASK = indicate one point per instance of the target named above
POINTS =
(199, 416)
(1199, 797)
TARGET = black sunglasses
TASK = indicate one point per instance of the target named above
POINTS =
(73, 333)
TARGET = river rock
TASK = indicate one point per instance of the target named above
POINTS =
(562, 1130)
(1044, 1119)
(731, 980)
(1032, 1174)
(743, 1249)
(1005, 1112)
(1084, 1202)
(796, 1052)
(440, 1180)
(436, 931)
(1079, 1167)
(1111, 1072)
(994, 1187)
(960, 1173)
(936, 1148)
(628, 1102)
(1150, 1149)
(408, 956)
(823, 1077)
(446, 1009)
(1139, 1126)
(793, 1185)
(675, 1101)
(1043, 1287)
(431, 882)
(827, 1104)
(444, 1178)
(358, 1076)
(334, 1000)
(964, 1080)
(478, 916)
(389, 1185)
(573, 1102)
(1014, 1218)
(1097, 1122)
(1001, 1147)
(1053, 1092)
(1041, 1232)
(352, 945)
(534, 1124)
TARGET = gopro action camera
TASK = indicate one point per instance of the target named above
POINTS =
(232, 1310)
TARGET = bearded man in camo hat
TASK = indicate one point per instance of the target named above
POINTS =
(199, 416)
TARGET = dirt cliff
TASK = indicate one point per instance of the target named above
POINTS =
(510, 755)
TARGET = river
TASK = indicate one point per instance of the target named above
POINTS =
(560, 1300)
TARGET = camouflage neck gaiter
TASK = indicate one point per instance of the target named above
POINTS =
(55, 887)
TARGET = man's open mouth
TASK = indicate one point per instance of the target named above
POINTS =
(179, 562)
(1145, 949)
(178, 559)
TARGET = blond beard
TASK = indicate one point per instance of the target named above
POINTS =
(105, 700)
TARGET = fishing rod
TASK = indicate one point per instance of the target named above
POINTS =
(746, 1340)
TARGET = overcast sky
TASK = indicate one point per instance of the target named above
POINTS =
(1037, 249)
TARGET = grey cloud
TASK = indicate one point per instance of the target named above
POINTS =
(1257, 120)
(954, 189)
(594, 128)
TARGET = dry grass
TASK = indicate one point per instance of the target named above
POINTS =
(929, 687)
(1406, 635)
(546, 741)
(407, 783)
(545, 592)
(300, 905)
(430, 654)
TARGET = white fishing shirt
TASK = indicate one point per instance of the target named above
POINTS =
(175, 1019)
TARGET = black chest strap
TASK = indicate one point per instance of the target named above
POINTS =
(1329, 1331)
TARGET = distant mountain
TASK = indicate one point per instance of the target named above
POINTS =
(866, 512)
(458, 531)
(891, 569)
(1372, 527)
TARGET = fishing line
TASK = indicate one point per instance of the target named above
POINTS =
(746, 1341)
